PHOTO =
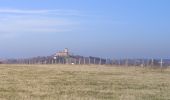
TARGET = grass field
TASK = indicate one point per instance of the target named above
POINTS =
(83, 82)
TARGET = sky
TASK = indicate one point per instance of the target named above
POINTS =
(101, 28)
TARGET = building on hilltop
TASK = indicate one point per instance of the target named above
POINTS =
(64, 53)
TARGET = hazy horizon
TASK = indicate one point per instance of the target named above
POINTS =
(102, 28)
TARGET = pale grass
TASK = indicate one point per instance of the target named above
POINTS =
(83, 82)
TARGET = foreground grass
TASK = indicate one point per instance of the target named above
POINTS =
(71, 82)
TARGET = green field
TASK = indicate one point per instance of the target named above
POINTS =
(83, 82)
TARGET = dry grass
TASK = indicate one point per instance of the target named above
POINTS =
(71, 82)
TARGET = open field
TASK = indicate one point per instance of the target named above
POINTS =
(75, 82)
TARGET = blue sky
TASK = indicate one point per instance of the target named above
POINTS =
(103, 28)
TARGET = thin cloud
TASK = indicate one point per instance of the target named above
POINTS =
(35, 24)
(42, 11)
(14, 21)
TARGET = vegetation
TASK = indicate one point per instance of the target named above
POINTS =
(85, 82)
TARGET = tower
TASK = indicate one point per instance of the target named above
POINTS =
(66, 50)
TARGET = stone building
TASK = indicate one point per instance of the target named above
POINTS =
(64, 53)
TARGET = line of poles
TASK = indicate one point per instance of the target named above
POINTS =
(97, 61)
